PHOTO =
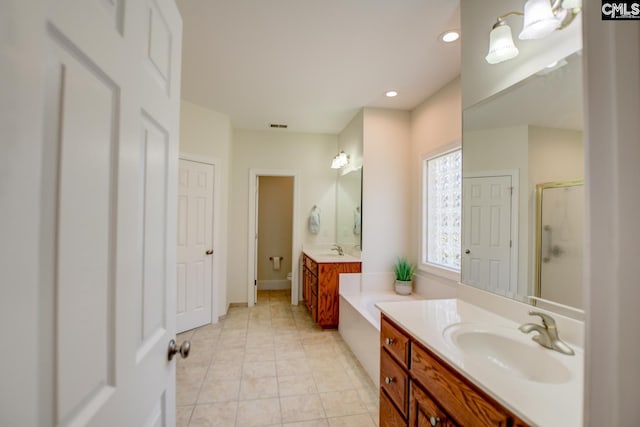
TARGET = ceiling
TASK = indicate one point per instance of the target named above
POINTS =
(314, 64)
(551, 98)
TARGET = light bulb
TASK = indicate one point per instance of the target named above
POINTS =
(539, 20)
(501, 46)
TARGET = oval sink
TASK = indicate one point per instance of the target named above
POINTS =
(508, 351)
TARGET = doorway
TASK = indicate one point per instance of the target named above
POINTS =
(273, 245)
(275, 233)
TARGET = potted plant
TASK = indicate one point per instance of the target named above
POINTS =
(403, 270)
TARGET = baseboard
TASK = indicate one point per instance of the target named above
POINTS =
(273, 285)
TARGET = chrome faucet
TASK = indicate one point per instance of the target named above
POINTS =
(547, 333)
(338, 248)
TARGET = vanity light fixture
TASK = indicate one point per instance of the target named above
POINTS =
(391, 93)
(340, 160)
(540, 18)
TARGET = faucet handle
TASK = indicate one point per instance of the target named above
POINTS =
(548, 321)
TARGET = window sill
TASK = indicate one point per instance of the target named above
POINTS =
(445, 273)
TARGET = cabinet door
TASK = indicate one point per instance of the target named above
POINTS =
(305, 285)
(389, 415)
(465, 403)
(424, 411)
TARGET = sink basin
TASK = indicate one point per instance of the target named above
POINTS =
(508, 351)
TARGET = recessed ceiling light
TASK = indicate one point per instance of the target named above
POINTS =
(450, 36)
(391, 93)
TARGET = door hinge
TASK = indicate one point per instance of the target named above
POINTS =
(255, 283)
(511, 188)
(510, 243)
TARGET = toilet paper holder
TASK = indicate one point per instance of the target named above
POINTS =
(279, 257)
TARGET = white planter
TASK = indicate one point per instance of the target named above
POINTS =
(403, 287)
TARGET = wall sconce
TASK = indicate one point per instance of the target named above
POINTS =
(540, 18)
(340, 160)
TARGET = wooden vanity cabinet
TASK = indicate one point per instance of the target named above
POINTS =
(320, 288)
(432, 393)
(424, 411)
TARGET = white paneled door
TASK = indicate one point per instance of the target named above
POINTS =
(195, 250)
(110, 85)
(486, 243)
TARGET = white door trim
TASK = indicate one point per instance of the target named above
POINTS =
(218, 277)
(515, 214)
(296, 245)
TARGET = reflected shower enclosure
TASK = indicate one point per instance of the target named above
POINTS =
(560, 242)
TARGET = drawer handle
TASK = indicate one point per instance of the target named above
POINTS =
(388, 380)
(434, 421)
(389, 341)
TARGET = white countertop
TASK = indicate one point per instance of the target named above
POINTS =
(325, 256)
(541, 404)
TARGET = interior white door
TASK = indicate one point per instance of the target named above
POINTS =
(195, 251)
(107, 212)
(486, 241)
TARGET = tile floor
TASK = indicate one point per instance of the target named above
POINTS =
(270, 365)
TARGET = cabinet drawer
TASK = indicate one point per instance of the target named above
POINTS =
(394, 381)
(389, 415)
(395, 341)
(311, 265)
(465, 404)
(424, 411)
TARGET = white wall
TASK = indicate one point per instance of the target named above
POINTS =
(477, 18)
(612, 77)
(386, 193)
(310, 156)
(435, 123)
(207, 133)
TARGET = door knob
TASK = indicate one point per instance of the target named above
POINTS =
(467, 251)
(184, 349)
(434, 421)
(209, 252)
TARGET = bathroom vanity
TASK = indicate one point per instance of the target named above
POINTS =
(449, 363)
(320, 278)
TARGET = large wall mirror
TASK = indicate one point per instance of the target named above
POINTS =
(523, 195)
(349, 209)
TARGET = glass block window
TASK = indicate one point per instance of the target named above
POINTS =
(443, 176)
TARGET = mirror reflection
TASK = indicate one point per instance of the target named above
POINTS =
(559, 242)
(349, 209)
(521, 145)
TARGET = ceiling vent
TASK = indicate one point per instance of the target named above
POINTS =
(278, 126)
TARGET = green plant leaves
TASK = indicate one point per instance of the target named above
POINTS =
(403, 269)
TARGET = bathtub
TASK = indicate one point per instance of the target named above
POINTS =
(360, 326)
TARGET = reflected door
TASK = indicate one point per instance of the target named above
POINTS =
(486, 245)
